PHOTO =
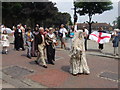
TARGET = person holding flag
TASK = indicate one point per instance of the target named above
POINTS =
(100, 37)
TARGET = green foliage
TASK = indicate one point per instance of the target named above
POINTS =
(43, 13)
(62, 18)
(92, 8)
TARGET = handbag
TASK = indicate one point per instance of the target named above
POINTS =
(60, 34)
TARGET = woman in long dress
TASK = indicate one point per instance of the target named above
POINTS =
(50, 46)
(35, 42)
(19, 42)
(78, 63)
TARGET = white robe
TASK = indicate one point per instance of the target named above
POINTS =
(5, 41)
(78, 63)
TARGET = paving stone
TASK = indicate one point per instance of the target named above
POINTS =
(32, 83)
(109, 75)
(16, 71)
(14, 82)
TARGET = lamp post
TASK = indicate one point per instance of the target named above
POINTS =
(75, 14)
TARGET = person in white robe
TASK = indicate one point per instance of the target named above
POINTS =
(78, 63)
(5, 42)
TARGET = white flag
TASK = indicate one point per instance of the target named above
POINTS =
(100, 37)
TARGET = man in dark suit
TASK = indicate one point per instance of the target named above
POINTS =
(19, 43)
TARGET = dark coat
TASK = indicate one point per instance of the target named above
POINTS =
(37, 39)
(18, 39)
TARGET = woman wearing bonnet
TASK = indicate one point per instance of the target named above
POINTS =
(78, 63)
(50, 46)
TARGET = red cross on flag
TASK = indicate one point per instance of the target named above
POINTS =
(100, 37)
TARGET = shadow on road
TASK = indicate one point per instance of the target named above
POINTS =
(106, 56)
(33, 63)
(65, 68)
(93, 50)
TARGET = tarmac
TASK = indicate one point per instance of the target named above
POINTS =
(20, 72)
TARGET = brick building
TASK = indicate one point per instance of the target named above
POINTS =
(95, 26)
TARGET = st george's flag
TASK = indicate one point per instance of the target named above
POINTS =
(100, 37)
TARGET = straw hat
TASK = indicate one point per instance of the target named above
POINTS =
(118, 30)
(50, 28)
(41, 28)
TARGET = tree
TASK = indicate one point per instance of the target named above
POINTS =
(22, 12)
(118, 22)
(114, 23)
(62, 18)
(92, 8)
(30, 13)
(11, 12)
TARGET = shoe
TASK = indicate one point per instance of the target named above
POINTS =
(23, 49)
(36, 62)
(53, 59)
(80, 73)
(3, 52)
(74, 74)
(29, 57)
(17, 49)
(44, 66)
(86, 73)
(35, 56)
(52, 63)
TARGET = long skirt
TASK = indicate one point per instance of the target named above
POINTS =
(19, 43)
(50, 53)
(78, 66)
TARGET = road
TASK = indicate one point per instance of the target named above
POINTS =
(20, 72)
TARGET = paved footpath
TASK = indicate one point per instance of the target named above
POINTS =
(20, 72)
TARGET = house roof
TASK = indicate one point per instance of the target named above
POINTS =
(95, 25)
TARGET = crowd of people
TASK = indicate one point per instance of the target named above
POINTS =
(42, 42)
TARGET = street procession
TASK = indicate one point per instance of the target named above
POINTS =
(52, 51)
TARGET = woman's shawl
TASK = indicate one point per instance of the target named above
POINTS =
(77, 45)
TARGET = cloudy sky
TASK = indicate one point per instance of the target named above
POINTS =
(107, 16)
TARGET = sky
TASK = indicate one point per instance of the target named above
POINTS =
(105, 17)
